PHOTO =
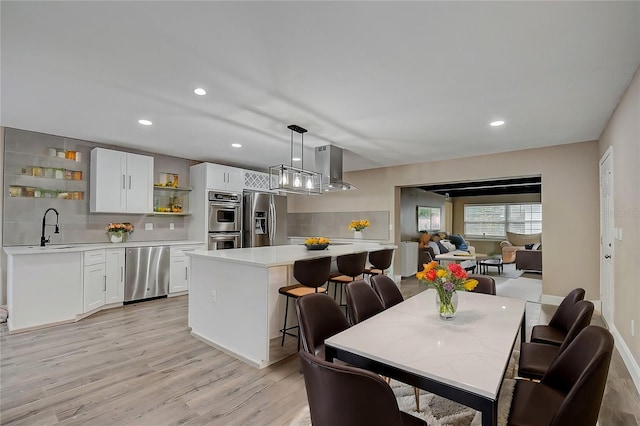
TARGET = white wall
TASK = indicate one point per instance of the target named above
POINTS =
(623, 134)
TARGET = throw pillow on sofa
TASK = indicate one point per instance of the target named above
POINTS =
(459, 242)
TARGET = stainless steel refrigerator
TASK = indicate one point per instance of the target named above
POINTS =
(265, 219)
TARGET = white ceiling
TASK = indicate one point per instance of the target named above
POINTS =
(390, 82)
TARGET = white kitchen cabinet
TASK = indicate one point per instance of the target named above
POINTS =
(94, 279)
(43, 289)
(225, 178)
(114, 271)
(179, 269)
(95, 286)
(121, 182)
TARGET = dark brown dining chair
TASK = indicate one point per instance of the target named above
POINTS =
(362, 302)
(350, 268)
(319, 317)
(380, 261)
(390, 295)
(312, 274)
(570, 392)
(486, 284)
(343, 395)
(555, 332)
(535, 358)
(387, 290)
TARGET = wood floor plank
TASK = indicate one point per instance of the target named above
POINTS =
(139, 365)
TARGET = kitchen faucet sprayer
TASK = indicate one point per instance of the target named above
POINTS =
(44, 240)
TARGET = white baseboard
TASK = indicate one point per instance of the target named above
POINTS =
(627, 356)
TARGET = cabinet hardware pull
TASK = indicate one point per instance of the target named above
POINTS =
(105, 283)
(607, 256)
(121, 273)
(129, 181)
(185, 273)
(123, 182)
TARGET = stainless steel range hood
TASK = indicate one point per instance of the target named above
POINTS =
(329, 163)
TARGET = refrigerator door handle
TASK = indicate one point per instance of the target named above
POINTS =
(272, 220)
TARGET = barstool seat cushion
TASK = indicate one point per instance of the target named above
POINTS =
(299, 290)
(344, 278)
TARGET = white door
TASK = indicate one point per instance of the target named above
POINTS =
(108, 180)
(606, 235)
(179, 274)
(94, 286)
(114, 270)
(139, 183)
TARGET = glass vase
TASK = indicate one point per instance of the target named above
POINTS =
(357, 235)
(115, 238)
(448, 305)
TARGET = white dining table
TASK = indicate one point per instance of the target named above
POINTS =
(464, 359)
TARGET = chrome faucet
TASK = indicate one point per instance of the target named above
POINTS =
(44, 240)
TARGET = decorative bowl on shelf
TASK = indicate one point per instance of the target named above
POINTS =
(316, 246)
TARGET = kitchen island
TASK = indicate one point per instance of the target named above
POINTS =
(234, 303)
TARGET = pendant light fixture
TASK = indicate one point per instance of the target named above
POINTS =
(292, 179)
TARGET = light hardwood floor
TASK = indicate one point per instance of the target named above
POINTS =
(138, 365)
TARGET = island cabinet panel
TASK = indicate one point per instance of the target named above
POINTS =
(121, 182)
(234, 304)
(48, 290)
(229, 310)
(95, 287)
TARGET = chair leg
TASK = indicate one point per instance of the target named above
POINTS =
(416, 392)
(284, 327)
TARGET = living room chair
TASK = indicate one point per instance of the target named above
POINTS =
(555, 332)
(343, 395)
(486, 284)
(312, 275)
(362, 302)
(535, 358)
(570, 392)
(387, 290)
(319, 317)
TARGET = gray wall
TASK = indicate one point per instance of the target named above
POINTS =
(336, 224)
(410, 199)
(22, 217)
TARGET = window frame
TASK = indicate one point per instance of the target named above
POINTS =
(530, 225)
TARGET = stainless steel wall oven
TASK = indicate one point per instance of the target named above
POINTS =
(225, 220)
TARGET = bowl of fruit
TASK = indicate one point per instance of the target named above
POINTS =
(316, 243)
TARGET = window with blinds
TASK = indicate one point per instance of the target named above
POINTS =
(494, 220)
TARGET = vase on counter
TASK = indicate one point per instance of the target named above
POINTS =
(115, 238)
(357, 235)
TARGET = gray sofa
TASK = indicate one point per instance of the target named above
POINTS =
(529, 260)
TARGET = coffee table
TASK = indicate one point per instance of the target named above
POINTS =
(485, 263)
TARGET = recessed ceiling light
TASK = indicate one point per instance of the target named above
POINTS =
(200, 91)
(295, 159)
(236, 145)
(496, 123)
(145, 122)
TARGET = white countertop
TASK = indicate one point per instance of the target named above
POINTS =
(284, 255)
(470, 352)
(68, 248)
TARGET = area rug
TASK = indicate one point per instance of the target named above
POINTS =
(438, 411)
(528, 289)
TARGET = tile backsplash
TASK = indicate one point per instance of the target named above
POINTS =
(336, 224)
(23, 215)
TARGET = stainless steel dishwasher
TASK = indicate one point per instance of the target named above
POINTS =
(146, 273)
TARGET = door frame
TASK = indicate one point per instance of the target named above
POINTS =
(606, 219)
